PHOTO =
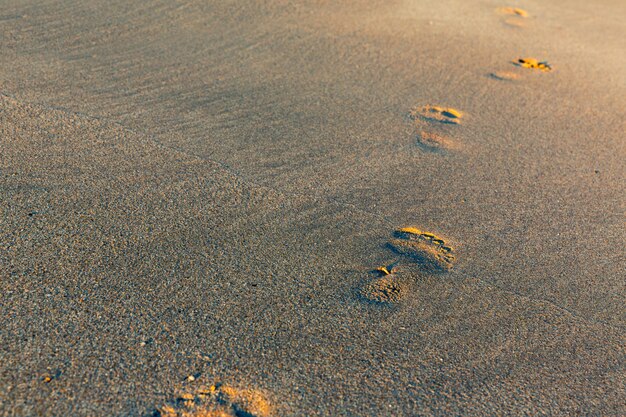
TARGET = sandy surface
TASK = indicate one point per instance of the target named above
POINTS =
(193, 188)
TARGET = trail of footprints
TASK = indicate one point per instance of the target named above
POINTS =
(517, 17)
(431, 253)
(428, 118)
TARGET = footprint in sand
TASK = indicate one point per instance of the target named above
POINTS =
(386, 289)
(432, 141)
(437, 114)
(514, 16)
(505, 75)
(533, 64)
(426, 249)
(430, 252)
(217, 401)
(443, 116)
(513, 11)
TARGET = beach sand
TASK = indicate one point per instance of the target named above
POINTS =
(201, 203)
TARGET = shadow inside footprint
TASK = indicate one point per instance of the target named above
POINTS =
(433, 142)
(504, 76)
(426, 249)
(437, 114)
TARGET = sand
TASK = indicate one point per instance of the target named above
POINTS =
(202, 193)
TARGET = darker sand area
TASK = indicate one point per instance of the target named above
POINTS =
(362, 208)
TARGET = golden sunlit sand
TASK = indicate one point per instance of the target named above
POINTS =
(534, 64)
(218, 401)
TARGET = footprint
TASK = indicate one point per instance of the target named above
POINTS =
(515, 16)
(505, 75)
(218, 401)
(515, 22)
(385, 290)
(433, 141)
(428, 250)
(514, 11)
(533, 63)
(437, 114)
